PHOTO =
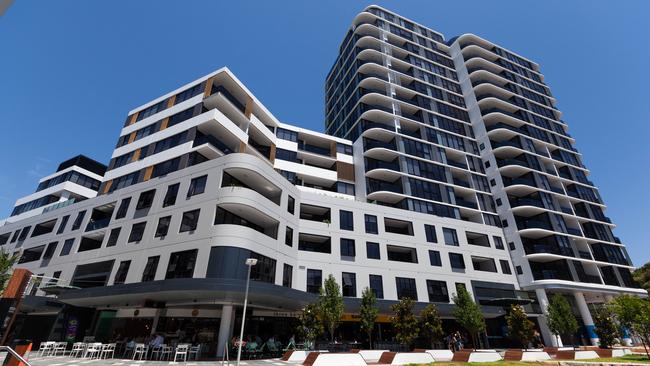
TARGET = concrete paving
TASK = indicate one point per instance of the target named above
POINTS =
(34, 360)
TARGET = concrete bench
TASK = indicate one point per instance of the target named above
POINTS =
(521, 355)
(404, 358)
(371, 355)
(338, 359)
(297, 356)
(440, 354)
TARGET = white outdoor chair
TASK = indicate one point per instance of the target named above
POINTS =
(93, 350)
(45, 348)
(78, 349)
(195, 351)
(60, 347)
(166, 352)
(140, 350)
(156, 352)
(181, 350)
(107, 349)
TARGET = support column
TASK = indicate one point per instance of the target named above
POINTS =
(224, 329)
(586, 317)
(549, 338)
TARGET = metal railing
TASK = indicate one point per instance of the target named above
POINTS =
(14, 354)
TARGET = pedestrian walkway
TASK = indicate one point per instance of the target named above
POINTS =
(70, 361)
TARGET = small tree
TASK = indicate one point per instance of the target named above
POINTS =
(7, 262)
(642, 276)
(633, 313)
(430, 324)
(368, 313)
(560, 317)
(404, 322)
(520, 328)
(310, 326)
(606, 326)
(468, 314)
(330, 305)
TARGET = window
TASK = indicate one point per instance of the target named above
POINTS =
(149, 273)
(170, 196)
(406, 288)
(67, 247)
(166, 167)
(197, 186)
(347, 220)
(287, 275)
(189, 220)
(434, 258)
(459, 286)
(137, 230)
(113, 236)
(401, 254)
(480, 240)
(484, 264)
(49, 251)
(343, 148)
(122, 271)
(77, 221)
(430, 232)
(398, 226)
(456, 260)
(181, 264)
(288, 237)
(291, 205)
(377, 286)
(15, 236)
(285, 134)
(437, 291)
(64, 222)
(372, 250)
(499, 202)
(124, 207)
(314, 280)
(511, 245)
(519, 270)
(498, 242)
(451, 238)
(188, 93)
(371, 224)
(86, 244)
(145, 200)
(347, 248)
(505, 266)
(349, 284)
(163, 226)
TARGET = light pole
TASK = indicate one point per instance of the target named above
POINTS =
(250, 262)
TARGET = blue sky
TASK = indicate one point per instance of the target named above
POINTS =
(72, 70)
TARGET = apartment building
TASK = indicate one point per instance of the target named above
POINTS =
(444, 164)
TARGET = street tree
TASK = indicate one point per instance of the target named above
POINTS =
(309, 324)
(520, 328)
(368, 313)
(606, 326)
(633, 314)
(404, 322)
(330, 305)
(431, 324)
(468, 314)
(560, 317)
(7, 262)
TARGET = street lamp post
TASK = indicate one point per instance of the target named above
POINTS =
(250, 262)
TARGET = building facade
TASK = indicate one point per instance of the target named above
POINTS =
(444, 164)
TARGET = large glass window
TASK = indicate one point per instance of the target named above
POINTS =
(377, 286)
(229, 262)
(137, 231)
(505, 266)
(163, 226)
(288, 237)
(197, 186)
(122, 271)
(498, 242)
(77, 221)
(437, 291)
(64, 222)
(291, 205)
(145, 200)
(124, 207)
(190, 220)
(406, 288)
(451, 237)
(113, 236)
(347, 248)
(170, 196)
(314, 280)
(149, 273)
(430, 232)
(349, 284)
(372, 250)
(456, 260)
(181, 264)
(287, 275)
(434, 258)
(371, 224)
(347, 220)
(67, 247)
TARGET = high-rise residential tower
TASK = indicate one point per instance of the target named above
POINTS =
(445, 164)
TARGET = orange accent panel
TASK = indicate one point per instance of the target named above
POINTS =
(171, 101)
(345, 171)
(107, 186)
(147, 173)
(17, 284)
(249, 108)
(164, 123)
(272, 153)
(242, 147)
(136, 155)
(208, 87)
(131, 137)
(134, 116)
(333, 149)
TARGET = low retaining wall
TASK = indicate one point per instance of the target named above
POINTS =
(371, 355)
(404, 358)
(338, 359)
